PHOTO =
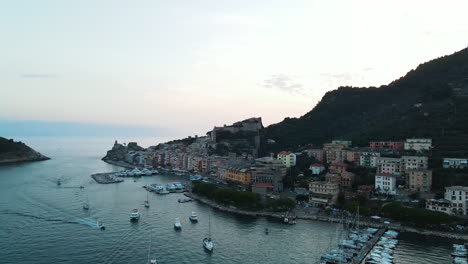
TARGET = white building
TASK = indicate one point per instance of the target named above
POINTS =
(455, 163)
(369, 159)
(288, 158)
(385, 183)
(316, 168)
(413, 163)
(457, 196)
(418, 144)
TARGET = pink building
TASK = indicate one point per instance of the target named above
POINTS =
(395, 145)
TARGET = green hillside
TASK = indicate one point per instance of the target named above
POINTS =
(430, 101)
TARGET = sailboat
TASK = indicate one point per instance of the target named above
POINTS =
(86, 203)
(147, 201)
(153, 259)
(207, 242)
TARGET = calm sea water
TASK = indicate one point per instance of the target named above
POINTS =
(45, 223)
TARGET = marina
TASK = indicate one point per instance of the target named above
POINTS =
(106, 178)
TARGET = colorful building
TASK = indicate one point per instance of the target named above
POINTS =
(393, 145)
(323, 193)
(419, 180)
(239, 175)
(316, 168)
(288, 158)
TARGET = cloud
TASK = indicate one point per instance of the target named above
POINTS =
(35, 75)
(283, 82)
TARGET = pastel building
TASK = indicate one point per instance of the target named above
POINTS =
(316, 168)
(455, 163)
(420, 180)
(418, 144)
(457, 196)
(414, 163)
(238, 175)
(318, 154)
(288, 158)
(389, 165)
(385, 183)
(369, 159)
(323, 193)
(393, 145)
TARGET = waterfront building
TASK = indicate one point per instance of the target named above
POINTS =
(389, 165)
(457, 196)
(369, 159)
(419, 180)
(418, 144)
(269, 170)
(455, 163)
(264, 189)
(288, 158)
(323, 193)
(316, 168)
(383, 145)
(385, 183)
(241, 175)
(439, 205)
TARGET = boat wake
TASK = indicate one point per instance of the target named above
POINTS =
(76, 220)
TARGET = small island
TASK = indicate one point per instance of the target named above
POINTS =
(12, 152)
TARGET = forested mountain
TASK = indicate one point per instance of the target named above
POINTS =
(430, 101)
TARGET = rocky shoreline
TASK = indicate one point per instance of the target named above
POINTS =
(393, 226)
(15, 152)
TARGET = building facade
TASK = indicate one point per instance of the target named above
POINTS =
(418, 144)
(385, 183)
(455, 163)
(238, 175)
(316, 168)
(369, 159)
(269, 170)
(323, 193)
(389, 165)
(393, 145)
(288, 158)
(420, 180)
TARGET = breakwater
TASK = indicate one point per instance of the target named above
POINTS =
(105, 178)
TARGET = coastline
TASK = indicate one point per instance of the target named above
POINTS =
(394, 226)
(118, 163)
(24, 159)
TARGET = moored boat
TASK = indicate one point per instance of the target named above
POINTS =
(177, 224)
(135, 215)
(193, 217)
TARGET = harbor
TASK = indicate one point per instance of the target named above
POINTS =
(106, 178)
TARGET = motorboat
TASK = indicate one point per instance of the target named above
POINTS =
(147, 201)
(59, 182)
(193, 217)
(171, 187)
(267, 230)
(155, 187)
(100, 226)
(135, 215)
(177, 224)
(184, 200)
(154, 171)
(85, 206)
(179, 186)
(146, 172)
(164, 192)
(136, 172)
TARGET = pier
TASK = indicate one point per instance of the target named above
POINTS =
(105, 178)
(361, 257)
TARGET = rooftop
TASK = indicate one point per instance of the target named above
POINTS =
(457, 188)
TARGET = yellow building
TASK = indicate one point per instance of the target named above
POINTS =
(288, 158)
(239, 175)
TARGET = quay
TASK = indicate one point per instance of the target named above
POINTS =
(105, 178)
(362, 255)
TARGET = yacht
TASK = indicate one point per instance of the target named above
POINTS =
(171, 187)
(146, 172)
(155, 187)
(135, 215)
(193, 217)
(177, 224)
(136, 172)
(207, 242)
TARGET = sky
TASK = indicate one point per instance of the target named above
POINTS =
(186, 66)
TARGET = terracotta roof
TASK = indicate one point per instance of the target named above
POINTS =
(284, 153)
(339, 164)
(316, 165)
(262, 185)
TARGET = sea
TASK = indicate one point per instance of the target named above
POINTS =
(41, 222)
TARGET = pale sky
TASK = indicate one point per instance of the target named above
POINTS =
(191, 65)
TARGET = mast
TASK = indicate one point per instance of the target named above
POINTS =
(209, 227)
(358, 217)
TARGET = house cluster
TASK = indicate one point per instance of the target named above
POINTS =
(387, 157)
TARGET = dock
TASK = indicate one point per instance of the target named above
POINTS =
(361, 256)
(105, 178)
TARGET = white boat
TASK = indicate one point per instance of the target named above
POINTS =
(155, 187)
(151, 260)
(179, 186)
(86, 203)
(135, 215)
(207, 241)
(170, 187)
(193, 217)
(147, 201)
(164, 192)
(146, 172)
(177, 224)
(136, 172)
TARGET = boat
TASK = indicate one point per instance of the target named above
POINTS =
(184, 200)
(59, 182)
(164, 192)
(170, 187)
(267, 230)
(135, 215)
(147, 201)
(193, 217)
(177, 224)
(136, 172)
(207, 241)
(155, 187)
(153, 259)
(100, 226)
(146, 172)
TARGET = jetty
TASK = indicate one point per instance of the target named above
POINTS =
(106, 178)
(361, 256)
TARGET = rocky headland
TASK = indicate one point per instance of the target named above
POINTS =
(12, 152)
